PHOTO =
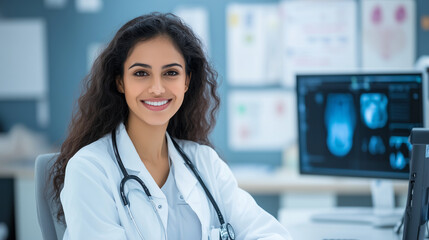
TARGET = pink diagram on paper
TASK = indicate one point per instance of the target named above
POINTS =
(386, 37)
(280, 108)
(244, 132)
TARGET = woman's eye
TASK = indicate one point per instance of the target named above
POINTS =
(171, 73)
(140, 73)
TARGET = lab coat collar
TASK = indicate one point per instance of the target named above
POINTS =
(185, 180)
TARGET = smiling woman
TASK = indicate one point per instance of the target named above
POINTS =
(154, 83)
(140, 136)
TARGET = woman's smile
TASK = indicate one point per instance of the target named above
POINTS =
(156, 104)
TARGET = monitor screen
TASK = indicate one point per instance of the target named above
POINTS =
(358, 124)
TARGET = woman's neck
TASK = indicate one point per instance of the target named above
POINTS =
(151, 145)
(149, 141)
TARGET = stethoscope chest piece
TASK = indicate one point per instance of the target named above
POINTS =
(227, 232)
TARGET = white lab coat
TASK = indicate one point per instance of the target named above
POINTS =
(93, 207)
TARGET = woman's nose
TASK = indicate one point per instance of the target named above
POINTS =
(156, 87)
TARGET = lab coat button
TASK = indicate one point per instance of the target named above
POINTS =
(181, 197)
(159, 206)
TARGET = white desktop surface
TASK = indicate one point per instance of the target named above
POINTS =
(290, 181)
(300, 226)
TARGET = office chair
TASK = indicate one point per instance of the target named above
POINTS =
(46, 208)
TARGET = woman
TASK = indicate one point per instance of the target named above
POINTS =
(149, 88)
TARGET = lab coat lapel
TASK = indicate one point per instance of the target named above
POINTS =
(188, 184)
(132, 162)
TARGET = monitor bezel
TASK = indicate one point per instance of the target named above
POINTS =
(366, 174)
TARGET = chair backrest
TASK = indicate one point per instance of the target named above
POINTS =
(46, 207)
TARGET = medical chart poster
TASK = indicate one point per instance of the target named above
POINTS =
(253, 44)
(261, 120)
(388, 34)
(318, 36)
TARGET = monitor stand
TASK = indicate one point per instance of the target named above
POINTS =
(382, 214)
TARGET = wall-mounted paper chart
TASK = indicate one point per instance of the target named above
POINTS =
(388, 34)
(318, 36)
(23, 68)
(261, 120)
(253, 44)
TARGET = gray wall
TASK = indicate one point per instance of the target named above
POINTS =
(69, 33)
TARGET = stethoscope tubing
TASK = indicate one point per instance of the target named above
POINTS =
(191, 166)
(143, 185)
(197, 175)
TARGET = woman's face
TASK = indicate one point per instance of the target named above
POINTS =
(154, 81)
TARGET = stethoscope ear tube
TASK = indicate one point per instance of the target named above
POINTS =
(126, 175)
(121, 190)
(226, 229)
(209, 195)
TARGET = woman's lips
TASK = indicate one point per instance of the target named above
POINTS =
(156, 104)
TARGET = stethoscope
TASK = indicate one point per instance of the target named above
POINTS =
(226, 230)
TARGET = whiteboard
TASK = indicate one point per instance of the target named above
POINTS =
(23, 59)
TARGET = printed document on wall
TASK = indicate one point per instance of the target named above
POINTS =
(198, 19)
(253, 44)
(261, 120)
(318, 36)
(23, 59)
(388, 34)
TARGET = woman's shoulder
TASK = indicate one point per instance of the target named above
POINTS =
(93, 155)
(200, 154)
(194, 148)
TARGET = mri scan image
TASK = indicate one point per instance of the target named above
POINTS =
(340, 122)
(373, 109)
(376, 145)
(399, 145)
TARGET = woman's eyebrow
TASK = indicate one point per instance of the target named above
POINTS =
(148, 66)
(171, 65)
(141, 65)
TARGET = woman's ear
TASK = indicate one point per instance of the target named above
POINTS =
(120, 84)
(188, 80)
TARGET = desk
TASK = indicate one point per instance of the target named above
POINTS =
(18, 168)
(289, 181)
(300, 191)
(301, 227)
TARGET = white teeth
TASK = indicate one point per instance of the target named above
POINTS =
(159, 103)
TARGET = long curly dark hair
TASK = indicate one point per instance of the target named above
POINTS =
(101, 108)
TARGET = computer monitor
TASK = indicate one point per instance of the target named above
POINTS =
(358, 125)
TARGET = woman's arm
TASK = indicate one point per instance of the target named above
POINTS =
(88, 203)
(248, 219)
